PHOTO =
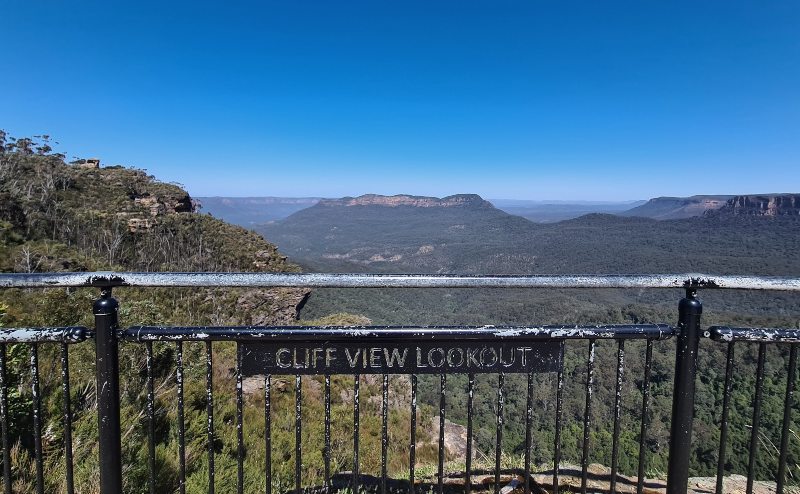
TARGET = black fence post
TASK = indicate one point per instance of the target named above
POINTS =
(105, 311)
(689, 310)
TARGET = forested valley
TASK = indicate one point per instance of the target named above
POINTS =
(59, 216)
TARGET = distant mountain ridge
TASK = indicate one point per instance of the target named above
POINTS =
(674, 208)
(410, 234)
(458, 200)
(401, 232)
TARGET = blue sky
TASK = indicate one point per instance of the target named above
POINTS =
(528, 100)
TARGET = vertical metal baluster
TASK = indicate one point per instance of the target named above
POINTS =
(412, 455)
(559, 416)
(384, 430)
(690, 310)
(442, 403)
(106, 364)
(151, 420)
(37, 418)
(68, 466)
(239, 421)
(726, 402)
(587, 416)
(327, 457)
(210, 416)
(4, 420)
(356, 433)
(528, 438)
(268, 433)
(498, 445)
(617, 411)
(787, 416)
(298, 432)
(762, 350)
(648, 366)
(181, 425)
(470, 405)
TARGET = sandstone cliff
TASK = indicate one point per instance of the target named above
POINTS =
(763, 205)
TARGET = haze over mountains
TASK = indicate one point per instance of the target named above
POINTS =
(253, 211)
(250, 211)
(467, 234)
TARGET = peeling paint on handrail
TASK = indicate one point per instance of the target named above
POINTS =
(71, 334)
(755, 335)
(348, 333)
(318, 280)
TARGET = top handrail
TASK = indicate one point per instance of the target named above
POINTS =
(106, 279)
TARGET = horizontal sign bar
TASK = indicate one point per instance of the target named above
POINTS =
(296, 334)
(317, 280)
(74, 334)
(755, 335)
(398, 358)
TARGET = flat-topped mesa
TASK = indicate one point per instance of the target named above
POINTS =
(458, 200)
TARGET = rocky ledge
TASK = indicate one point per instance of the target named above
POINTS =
(763, 205)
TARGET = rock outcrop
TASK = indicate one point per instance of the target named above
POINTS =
(763, 205)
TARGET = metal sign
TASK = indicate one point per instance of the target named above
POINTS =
(399, 358)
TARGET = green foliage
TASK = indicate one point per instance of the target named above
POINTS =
(480, 240)
(60, 217)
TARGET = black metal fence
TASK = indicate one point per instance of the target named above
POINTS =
(441, 351)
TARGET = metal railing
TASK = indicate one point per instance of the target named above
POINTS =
(269, 351)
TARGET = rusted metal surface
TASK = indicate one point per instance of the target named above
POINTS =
(319, 280)
(72, 334)
(419, 333)
(755, 335)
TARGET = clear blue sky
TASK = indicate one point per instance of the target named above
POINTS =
(529, 100)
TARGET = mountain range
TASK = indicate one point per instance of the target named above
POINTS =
(467, 234)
